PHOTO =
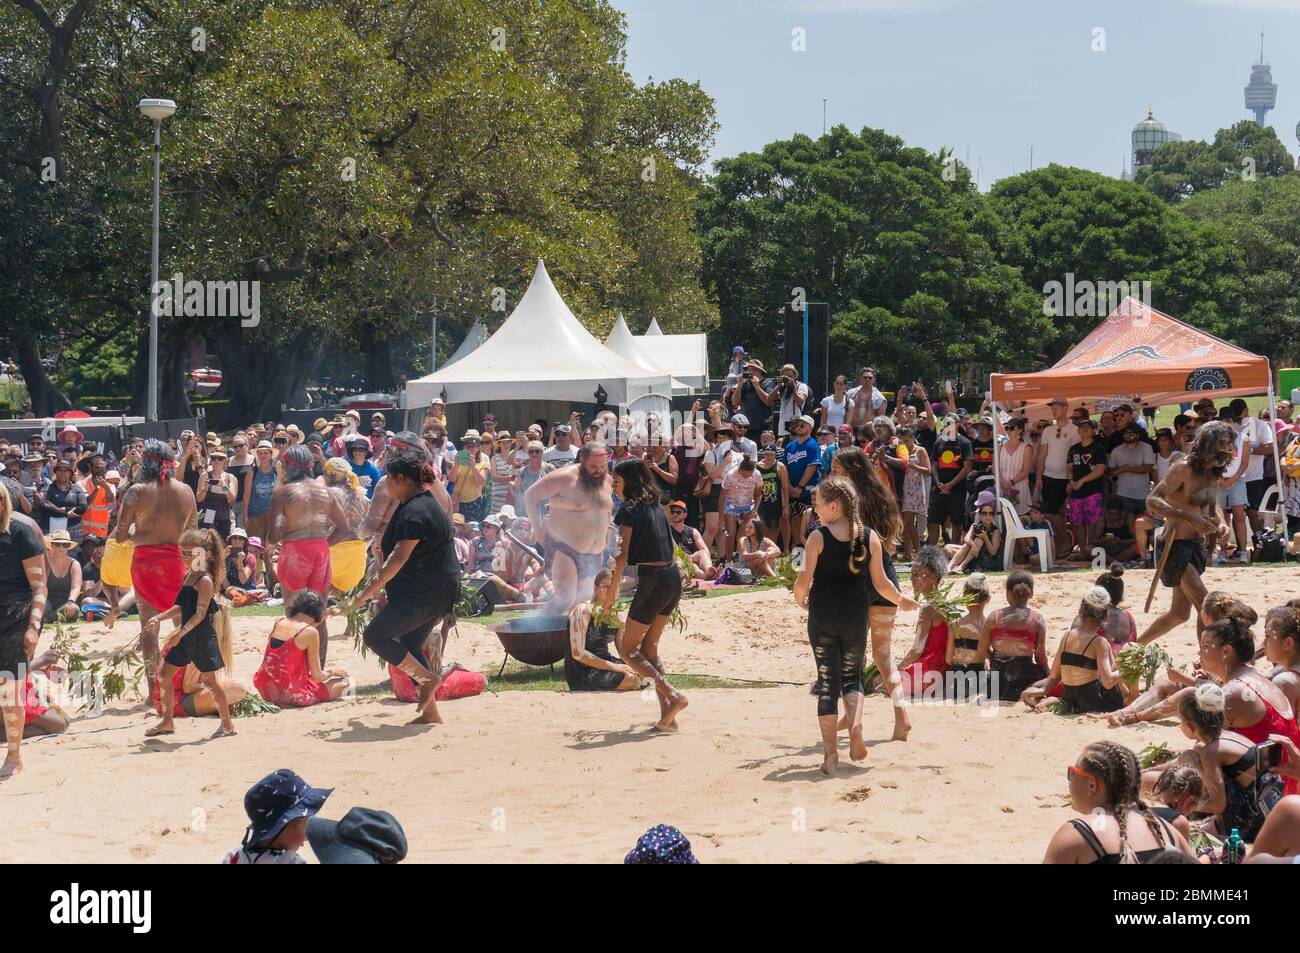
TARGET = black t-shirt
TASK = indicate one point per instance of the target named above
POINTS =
(652, 540)
(981, 456)
(1082, 460)
(19, 544)
(948, 457)
(927, 438)
(752, 406)
(432, 566)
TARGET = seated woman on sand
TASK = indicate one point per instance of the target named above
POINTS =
(1015, 640)
(40, 715)
(62, 578)
(1117, 826)
(1083, 666)
(964, 659)
(290, 674)
(981, 546)
(1161, 700)
(589, 665)
(924, 663)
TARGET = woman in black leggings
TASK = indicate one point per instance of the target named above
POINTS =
(421, 576)
(645, 541)
(843, 567)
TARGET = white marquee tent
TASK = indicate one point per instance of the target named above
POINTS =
(543, 353)
(684, 356)
(622, 341)
(476, 335)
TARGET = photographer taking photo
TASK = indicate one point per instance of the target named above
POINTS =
(752, 400)
(792, 395)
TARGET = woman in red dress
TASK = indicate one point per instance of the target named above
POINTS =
(290, 674)
(922, 669)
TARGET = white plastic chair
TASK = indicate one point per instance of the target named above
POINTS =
(1269, 514)
(1013, 530)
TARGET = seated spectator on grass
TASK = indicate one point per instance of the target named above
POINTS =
(689, 539)
(757, 551)
(62, 579)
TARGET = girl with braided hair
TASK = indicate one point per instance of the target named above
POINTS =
(1178, 788)
(841, 574)
(878, 512)
(1117, 826)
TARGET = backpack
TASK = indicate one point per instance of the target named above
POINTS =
(1270, 547)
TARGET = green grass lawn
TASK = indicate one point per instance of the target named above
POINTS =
(1165, 415)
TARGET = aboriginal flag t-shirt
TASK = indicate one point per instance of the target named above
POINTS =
(981, 456)
(949, 457)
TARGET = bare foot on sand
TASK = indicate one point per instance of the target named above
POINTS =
(902, 726)
(427, 716)
(857, 746)
(9, 769)
(669, 721)
(830, 763)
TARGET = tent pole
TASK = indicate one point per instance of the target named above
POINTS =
(1277, 462)
(997, 477)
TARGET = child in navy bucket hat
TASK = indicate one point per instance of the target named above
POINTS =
(662, 844)
(278, 807)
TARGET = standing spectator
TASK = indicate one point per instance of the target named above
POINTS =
(774, 507)
(803, 471)
(753, 397)
(793, 395)
(663, 467)
(534, 469)
(742, 489)
(688, 451)
(951, 463)
(741, 443)
(1052, 464)
(259, 486)
(367, 473)
(836, 408)
(338, 441)
(867, 401)
(216, 494)
(100, 498)
(239, 465)
(563, 452)
(1131, 466)
(470, 474)
(916, 492)
(63, 502)
(501, 457)
(1014, 463)
(1257, 441)
(1087, 469)
(1232, 490)
(717, 464)
(378, 435)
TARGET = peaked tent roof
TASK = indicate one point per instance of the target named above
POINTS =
(474, 337)
(621, 341)
(1139, 351)
(540, 352)
(685, 356)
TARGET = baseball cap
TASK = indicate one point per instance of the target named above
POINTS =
(803, 419)
(280, 797)
(676, 505)
(768, 448)
(564, 428)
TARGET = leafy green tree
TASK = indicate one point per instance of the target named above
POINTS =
(895, 239)
(1262, 220)
(1061, 221)
(1243, 151)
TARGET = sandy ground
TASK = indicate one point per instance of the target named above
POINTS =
(550, 776)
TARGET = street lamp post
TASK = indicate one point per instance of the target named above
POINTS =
(156, 110)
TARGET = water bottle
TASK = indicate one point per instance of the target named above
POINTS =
(1234, 848)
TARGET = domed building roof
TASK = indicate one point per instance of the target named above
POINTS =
(1151, 133)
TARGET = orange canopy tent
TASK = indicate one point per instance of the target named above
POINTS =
(1140, 352)
(1141, 356)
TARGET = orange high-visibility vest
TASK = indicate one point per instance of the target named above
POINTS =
(99, 507)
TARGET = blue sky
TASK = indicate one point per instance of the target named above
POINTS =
(992, 76)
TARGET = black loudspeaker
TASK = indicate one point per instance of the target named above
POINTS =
(792, 344)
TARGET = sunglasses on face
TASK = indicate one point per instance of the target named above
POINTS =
(534, 453)
(1073, 772)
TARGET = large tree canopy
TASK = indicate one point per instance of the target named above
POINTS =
(1063, 221)
(366, 163)
(1242, 152)
(903, 253)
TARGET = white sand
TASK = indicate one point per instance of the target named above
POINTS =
(549, 776)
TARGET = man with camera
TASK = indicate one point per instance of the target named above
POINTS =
(752, 400)
(792, 395)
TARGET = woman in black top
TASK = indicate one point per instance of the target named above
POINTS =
(421, 577)
(22, 603)
(645, 541)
